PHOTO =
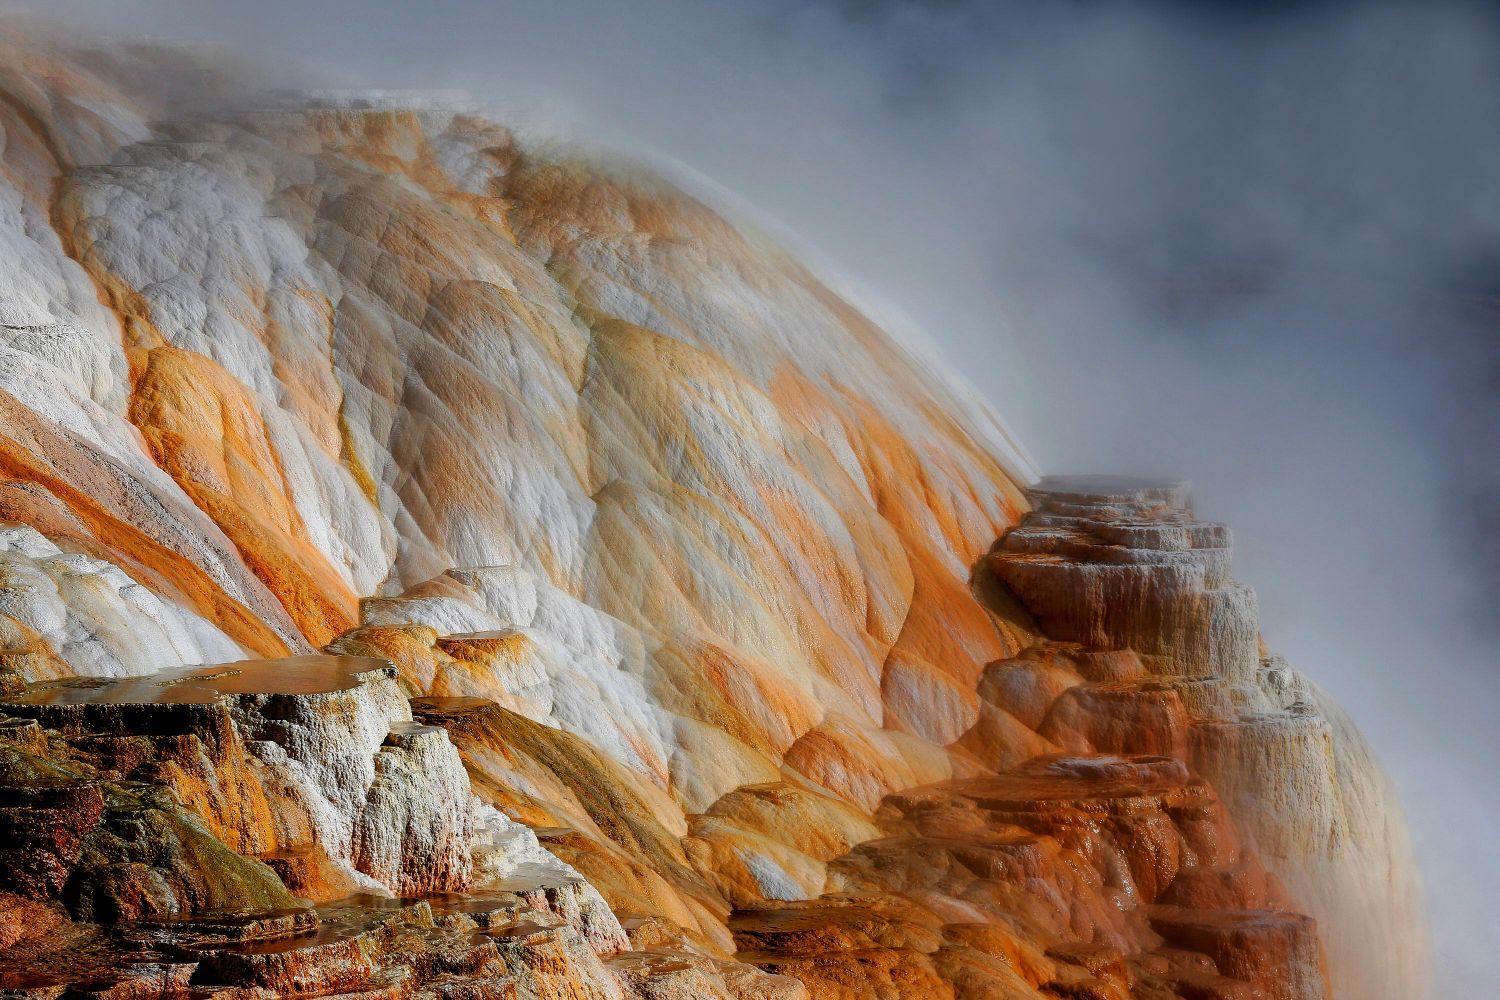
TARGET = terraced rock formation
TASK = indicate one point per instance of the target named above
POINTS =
(1122, 568)
(598, 605)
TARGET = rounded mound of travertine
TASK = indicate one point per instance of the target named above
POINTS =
(691, 570)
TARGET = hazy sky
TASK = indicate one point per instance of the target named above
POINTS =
(1254, 244)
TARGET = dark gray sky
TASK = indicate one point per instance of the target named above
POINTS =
(1256, 244)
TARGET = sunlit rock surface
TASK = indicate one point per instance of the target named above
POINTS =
(312, 753)
(670, 651)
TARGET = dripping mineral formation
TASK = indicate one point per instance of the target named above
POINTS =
(437, 565)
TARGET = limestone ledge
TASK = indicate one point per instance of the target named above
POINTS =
(312, 752)
(111, 871)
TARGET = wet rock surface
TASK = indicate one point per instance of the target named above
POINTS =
(111, 885)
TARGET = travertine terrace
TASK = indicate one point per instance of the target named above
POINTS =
(440, 565)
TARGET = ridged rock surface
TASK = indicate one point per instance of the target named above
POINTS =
(667, 652)
(1121, 565)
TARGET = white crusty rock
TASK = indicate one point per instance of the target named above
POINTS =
(337, 762)
(65, 613)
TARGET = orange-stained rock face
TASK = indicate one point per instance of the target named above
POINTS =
(682, 636)
(1124, 568)
(201, 426)
(1051, 877)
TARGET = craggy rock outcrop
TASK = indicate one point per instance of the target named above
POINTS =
(1160, 656)
(1097, 876)
(667, 650)
(282, 758)
(78, 837)
(107, 818)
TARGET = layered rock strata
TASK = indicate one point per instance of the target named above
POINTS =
(285, 758)
(1159, 653)
(115, 884)
(1073, 876)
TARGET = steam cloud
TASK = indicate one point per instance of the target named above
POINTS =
(1257, 245)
